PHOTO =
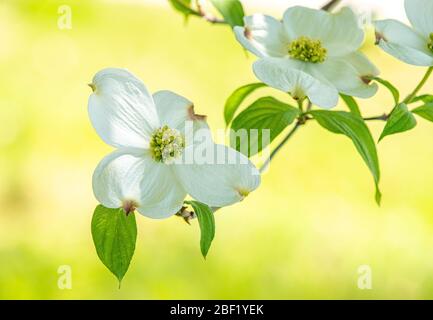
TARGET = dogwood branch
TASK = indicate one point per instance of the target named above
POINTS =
(419, 86)
(409, 98)
(280, 145)
(383, 117)
(200, 12)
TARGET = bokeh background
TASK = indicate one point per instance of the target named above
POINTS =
(302, 234)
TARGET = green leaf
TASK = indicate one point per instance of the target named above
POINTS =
(425, 111)
(182, 6)
(231, 10)
(352, 104)
(207, 224)
(236, 98)
(400, 120)
(114, 234)
(394, 91)
(265, 113)
(353, 127)
(426, 98)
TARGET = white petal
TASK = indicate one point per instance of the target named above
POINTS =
(420, 13)
(402, 42)
(177, 112)
(344, 77)
(132, 175)
(362, 64)
(339, 32)
(290, 76)
(262, 35)
(162, 197)
(121, 109)
(407, 54)
(223, 177)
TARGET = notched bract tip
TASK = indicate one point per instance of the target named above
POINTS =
(92, 86)
(367, 79)
(247, 33)
(379, 36)
(193, 116)
(243, 193)
(129, 206)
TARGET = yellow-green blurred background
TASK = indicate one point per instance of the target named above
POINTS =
(302, 234)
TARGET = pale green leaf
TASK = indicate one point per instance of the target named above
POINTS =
(426, 98)
(231, 10)
(425, 111)
(236, 98)
(114, 235)
(266, 113)
(400, 120)
(207, 224)
(353, 127)
(182, 6)
(351, 104)
(394, 91)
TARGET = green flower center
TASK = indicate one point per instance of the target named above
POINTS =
(430, 43)
(166, 144)
(308, 50)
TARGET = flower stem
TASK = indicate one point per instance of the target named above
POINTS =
(282, 143)
(383, 117)
(301, 105)
(419, 86)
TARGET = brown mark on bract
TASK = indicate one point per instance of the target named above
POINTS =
(193, 116)
(186, 215)
(380, 36)
(366, 79)
(129, 206)
(92, 86)
(247, 33)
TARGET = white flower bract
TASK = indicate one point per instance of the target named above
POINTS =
(311, 53)
(147, 171)
(411, 45)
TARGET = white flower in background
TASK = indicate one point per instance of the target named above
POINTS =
(147, 172)
(413, 46)
(311, 53)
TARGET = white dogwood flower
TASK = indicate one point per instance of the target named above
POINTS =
(148, 172)
(411, 45)
(311, 53)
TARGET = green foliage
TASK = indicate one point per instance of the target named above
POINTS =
(231, 10)
(353, 127)
(207, 224)
(426, 98)
(351, 104)
(265, 113)
(400, 120)
(182, 6)
(394, 91)
(425, 111)
(114, 235)
(236, 98)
